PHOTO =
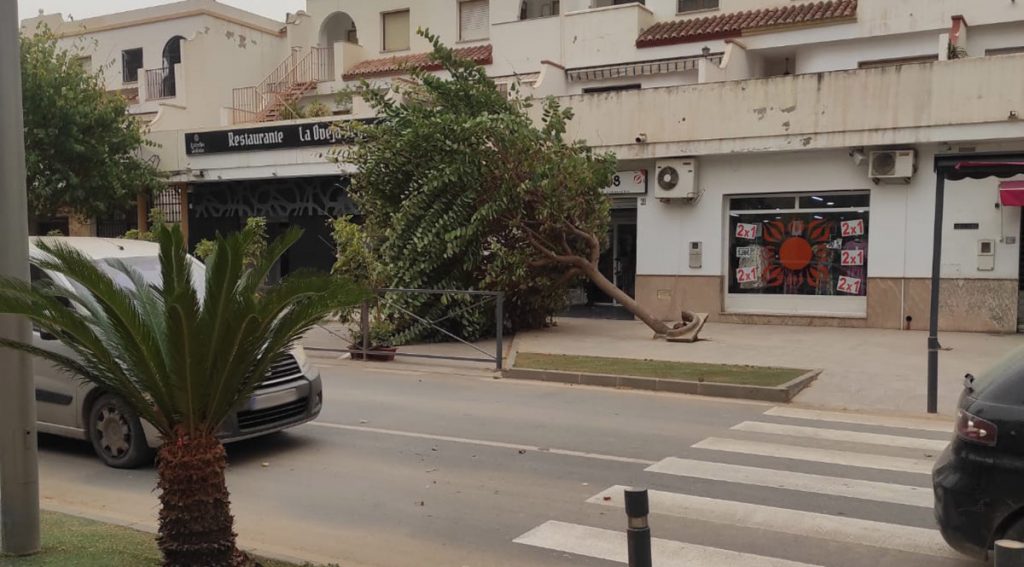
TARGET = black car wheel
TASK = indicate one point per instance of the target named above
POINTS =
(116, 434)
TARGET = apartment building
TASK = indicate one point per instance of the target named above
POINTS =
(776, 157)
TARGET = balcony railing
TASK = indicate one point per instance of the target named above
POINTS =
(160, 83)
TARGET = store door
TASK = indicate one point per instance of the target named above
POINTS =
(618, 261)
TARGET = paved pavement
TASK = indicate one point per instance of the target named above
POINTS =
(864, 369)
(410, 468)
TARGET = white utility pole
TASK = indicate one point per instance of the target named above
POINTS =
(19, 472)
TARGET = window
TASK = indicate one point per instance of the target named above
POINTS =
(1004, 50)
(694, 5)
(474, 19)
(897, 61)
(85, 63)
(530, 9)
(612, 88)
(131, 62)
(807, 244)
(396, 30)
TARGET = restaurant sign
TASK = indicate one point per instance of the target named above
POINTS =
(263, 138)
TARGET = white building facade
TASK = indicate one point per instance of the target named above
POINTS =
(775, 156)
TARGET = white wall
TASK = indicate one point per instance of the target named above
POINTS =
(900, 233)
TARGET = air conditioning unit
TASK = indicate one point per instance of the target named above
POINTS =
(676, 179)
(892, 166)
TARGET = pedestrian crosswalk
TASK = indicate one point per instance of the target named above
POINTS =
(853, 480)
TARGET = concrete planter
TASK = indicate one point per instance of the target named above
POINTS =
(780, 394)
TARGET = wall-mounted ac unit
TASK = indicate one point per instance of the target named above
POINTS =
(892, 166)
(676, 179)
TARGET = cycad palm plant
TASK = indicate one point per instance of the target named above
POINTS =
(182, 355)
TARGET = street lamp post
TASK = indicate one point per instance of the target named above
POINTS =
(19, 473)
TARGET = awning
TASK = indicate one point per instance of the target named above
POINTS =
(1011, 193)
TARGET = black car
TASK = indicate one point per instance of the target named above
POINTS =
(979, 478)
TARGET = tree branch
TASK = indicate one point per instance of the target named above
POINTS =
(592, 241)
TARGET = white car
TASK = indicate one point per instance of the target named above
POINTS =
(67, 406)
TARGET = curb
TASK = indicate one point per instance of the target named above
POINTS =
(780, 394)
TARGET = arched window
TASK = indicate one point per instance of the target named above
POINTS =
(339, 26)
(172, 51)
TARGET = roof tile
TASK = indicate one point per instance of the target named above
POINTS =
(736, 24)
(480, 54)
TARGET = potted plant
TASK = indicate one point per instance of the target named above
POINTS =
(380, 343)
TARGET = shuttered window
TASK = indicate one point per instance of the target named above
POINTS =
(396, 30)
(474, 19)
(694, 5)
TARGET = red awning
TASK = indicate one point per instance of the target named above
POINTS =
(1011, 193)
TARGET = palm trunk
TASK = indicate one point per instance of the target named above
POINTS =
(605, 285)
(196, 526)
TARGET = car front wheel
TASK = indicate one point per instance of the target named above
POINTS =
(117, 435)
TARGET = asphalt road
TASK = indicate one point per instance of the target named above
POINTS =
(406, 468)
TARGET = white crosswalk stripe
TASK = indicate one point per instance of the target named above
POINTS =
(796, 522)
(924, 424)
(830, 456)
(911, 446)
(816, 484)
(611, 545)
(840, 435)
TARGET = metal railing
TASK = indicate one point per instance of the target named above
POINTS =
(160, 83)
(482, 298)
(290, 79)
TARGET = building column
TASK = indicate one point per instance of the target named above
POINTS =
(142, 212)
(81, 226)
(183, 202)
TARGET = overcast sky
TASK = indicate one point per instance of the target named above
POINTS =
(80, 9)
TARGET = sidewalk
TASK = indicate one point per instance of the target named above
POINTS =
(863, 369)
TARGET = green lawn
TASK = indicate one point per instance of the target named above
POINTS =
(689, 371)
(72, 541)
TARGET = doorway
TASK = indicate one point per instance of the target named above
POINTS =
(618, 261)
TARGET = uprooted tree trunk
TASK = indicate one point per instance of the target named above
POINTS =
(579, 264)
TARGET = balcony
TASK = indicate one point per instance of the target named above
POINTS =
(160, 83)
(902, 104)
(599, 36)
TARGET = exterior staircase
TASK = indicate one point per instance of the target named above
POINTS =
(294, 78)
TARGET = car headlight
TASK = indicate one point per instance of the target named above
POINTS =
(300, 356)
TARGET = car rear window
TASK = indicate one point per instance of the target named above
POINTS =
(1003, 382)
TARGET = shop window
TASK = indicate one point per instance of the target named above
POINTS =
(694, 5)
(396, 30)
(131, 62)
(807, 244)
(474, 20)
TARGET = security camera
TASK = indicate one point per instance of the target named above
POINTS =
(857, 156)
(641, 138)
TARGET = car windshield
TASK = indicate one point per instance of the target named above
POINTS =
(149, 267)
(1003, 382)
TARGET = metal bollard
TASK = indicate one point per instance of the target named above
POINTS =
(638, 534)
(1009, 553)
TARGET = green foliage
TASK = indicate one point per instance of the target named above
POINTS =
(315, 109)
(353, 258)
(81, 144)
(254, 233)
(156, 222)
(184, 353)
(455, 179)
(56, 232)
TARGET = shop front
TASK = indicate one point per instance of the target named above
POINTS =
(802, 253)
(277, 172)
